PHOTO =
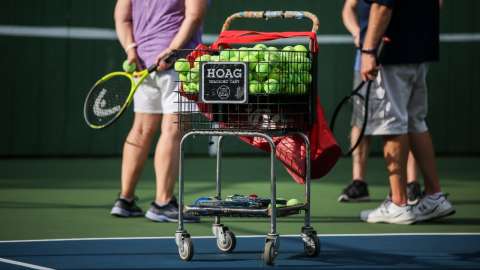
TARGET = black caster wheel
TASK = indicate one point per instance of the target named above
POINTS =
(226, 241)
(185, 249)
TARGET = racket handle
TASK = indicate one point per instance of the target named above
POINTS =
(152, 68)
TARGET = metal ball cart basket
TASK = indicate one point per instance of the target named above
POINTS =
(262, 92)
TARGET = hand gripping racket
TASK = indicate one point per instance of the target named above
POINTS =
(345, 107)
(110, 96)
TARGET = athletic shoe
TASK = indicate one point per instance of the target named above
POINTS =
(432, 207)
(124, 208)
(388, 212)
(414, 193)
(168, 213)
(356, 191)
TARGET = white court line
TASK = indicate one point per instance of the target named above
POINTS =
(242, 236)
(27, 265)
(92, 33)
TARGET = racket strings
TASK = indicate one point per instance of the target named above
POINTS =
(106, 100)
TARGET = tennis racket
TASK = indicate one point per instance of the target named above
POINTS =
(112, 94)
(351, 111)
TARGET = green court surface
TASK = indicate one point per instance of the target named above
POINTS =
(71, 198)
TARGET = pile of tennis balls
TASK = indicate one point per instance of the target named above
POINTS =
(271, 70)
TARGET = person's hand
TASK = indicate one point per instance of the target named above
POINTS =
(369, 67)
(132, 57)
(162, 64)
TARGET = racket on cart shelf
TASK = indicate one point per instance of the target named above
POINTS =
(112, 94)
(351, 111)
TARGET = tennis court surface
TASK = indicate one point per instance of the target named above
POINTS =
(71, 198)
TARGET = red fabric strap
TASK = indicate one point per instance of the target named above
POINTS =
(241, 36)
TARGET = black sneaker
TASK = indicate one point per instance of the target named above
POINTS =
(357, 191)
(168, 213)
(414, 193)
(124, 208)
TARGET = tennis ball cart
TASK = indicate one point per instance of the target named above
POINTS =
(259, 93)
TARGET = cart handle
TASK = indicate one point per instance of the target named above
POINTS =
(272, 15)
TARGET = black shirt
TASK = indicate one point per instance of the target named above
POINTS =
(413, 31)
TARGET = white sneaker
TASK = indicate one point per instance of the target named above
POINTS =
(431, 208)
(388, 212)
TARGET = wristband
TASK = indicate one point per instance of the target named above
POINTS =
(370, 51)
(131, 45)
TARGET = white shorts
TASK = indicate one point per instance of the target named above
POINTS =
(158, 93)
(398, 101)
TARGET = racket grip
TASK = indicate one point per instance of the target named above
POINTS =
(152, 68)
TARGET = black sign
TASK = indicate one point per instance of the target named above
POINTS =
(224, 82)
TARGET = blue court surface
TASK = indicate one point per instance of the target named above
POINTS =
(392, 251)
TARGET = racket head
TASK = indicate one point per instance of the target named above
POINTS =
(108, 98)
(348, 122)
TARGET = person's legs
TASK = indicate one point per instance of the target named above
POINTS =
(395, 151)
(166, 158)
(422, 148)
(359, 155)
(414, 190)
(135, 150)
(357, 190)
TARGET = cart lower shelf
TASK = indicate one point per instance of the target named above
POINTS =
(243, 212)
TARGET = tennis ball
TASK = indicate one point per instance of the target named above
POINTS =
(300, 89)
(293, 202)
(225, 55)
(255, 87)
(215, 58)
(193, 87)
(183, 77)
(260, 48)
(271, 86)
(272, 56)
(300, 48)
(194, 74)
(262, 70)
(305, 77)
(127, 67)
(243, 51)
(275, 74)
(254, 52)
(182, 65)
(251, 60)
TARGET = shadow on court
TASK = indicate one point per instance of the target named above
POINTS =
(364, 251)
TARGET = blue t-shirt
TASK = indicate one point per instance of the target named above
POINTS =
(413, 30)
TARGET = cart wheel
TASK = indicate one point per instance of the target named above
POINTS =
(312, 246)
(226, 242)
(269, 253)
(185, 249)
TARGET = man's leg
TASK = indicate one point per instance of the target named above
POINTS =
(359, 155)
(395, 151)
(414, 190)
(135, 150)
(357, 190)
(412, 173)
(166, 158)
(422, 147)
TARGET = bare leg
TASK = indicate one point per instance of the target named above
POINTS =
(422, 147)
(412, 172)
(395, 151)
(135, 150)
(359, 155)
(166, 158)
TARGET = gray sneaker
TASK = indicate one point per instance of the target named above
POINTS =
(124, 208)
(168, 213)
(431, 208)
